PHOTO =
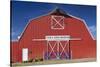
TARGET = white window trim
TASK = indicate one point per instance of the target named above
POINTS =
(57, 22)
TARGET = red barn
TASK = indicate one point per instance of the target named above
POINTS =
(56, 35)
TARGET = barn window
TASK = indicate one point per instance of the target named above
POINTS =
(57, 22)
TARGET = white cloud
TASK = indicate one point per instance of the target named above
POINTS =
(14, 34)
(93, 30)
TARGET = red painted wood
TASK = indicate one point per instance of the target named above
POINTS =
(41, 27)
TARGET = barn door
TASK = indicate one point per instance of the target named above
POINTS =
(58, 47)
(25, 54)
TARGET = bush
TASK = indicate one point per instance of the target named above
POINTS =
(41, 59)
(31, 60)
(25, 61)
(36, 60)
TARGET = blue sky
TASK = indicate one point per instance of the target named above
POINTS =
(22, 12)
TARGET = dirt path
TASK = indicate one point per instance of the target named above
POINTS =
(54, 62)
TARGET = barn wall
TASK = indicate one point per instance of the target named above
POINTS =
(41, 27)
(14, 52)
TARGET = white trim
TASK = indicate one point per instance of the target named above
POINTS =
(57, 37)
(58, 44)
(52, 48)
(57, 22)
(47, 50)
(58, 50)
(75, 39)
(54, 40)
(63, 47)
(89, 30)
(38, 39)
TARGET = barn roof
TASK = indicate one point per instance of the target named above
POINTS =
(60, 12)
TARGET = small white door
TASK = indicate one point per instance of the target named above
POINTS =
(25, 54)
